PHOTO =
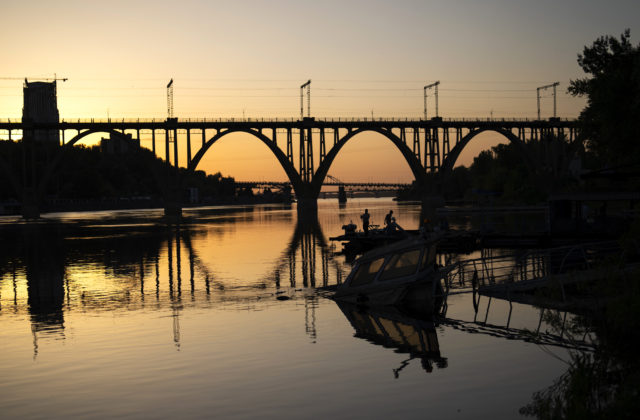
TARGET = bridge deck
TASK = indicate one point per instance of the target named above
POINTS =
(266, 123)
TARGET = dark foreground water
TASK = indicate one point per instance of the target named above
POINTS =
(116, 315)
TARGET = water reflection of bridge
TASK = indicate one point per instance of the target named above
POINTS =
(307, 242)
(43, 271)
(160, 264)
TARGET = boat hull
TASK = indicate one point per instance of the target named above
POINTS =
(415, 292)
(397, 274)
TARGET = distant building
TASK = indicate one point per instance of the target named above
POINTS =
(119, 144)
(41, 106)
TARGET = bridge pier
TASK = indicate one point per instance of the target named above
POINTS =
(342, 194)
(307, 199)
(428, 209)
(307, 207)
(431, 198)
(30, 208)
(172, 209)
(173, 203)
(30, 211)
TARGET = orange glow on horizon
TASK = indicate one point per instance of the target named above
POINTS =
(119, 56)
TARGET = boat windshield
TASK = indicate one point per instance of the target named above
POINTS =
(402, 264)
(366, 272)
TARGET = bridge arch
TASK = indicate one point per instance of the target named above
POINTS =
(290, 170)
(84, 134)
(44, 181)
(452, 157)
(322, 171)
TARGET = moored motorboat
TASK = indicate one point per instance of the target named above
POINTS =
(404, 272)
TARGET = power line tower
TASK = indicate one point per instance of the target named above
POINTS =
(171, 133)
(173, 206)
(308, 86)
(552, 85)
(432, 85)
(170, 99)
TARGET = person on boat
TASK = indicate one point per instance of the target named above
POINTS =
(365, 221)
(388, 217)
(393, 227)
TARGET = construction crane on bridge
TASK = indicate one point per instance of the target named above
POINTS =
(53, 79)
(552, 85)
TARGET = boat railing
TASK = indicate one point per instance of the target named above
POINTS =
(534, 265)
(561, 337)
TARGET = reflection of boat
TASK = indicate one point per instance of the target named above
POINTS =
(392, 328)
(401, 273)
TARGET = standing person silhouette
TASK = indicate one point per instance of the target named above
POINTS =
(365, 221)
(388, 217)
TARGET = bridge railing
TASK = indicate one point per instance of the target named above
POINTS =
(287, 120)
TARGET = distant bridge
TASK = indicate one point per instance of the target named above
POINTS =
(363, 185)
(307, 147)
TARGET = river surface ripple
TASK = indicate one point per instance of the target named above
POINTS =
(117, 315)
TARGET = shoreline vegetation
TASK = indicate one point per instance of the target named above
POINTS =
(88, 178)
(605, 383)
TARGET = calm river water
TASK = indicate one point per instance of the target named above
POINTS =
(117, 315)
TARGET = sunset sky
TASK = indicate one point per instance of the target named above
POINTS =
(248, 58)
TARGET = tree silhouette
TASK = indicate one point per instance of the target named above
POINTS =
(611, 119)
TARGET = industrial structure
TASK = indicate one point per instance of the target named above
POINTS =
(41, 107)
(426, 88)
(553, 85)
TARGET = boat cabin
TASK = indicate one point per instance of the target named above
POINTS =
(397, 262)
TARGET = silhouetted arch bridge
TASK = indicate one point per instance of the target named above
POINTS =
(306, 148)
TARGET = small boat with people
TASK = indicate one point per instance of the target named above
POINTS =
(404, 272)
(357, 242)
(354, 242)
